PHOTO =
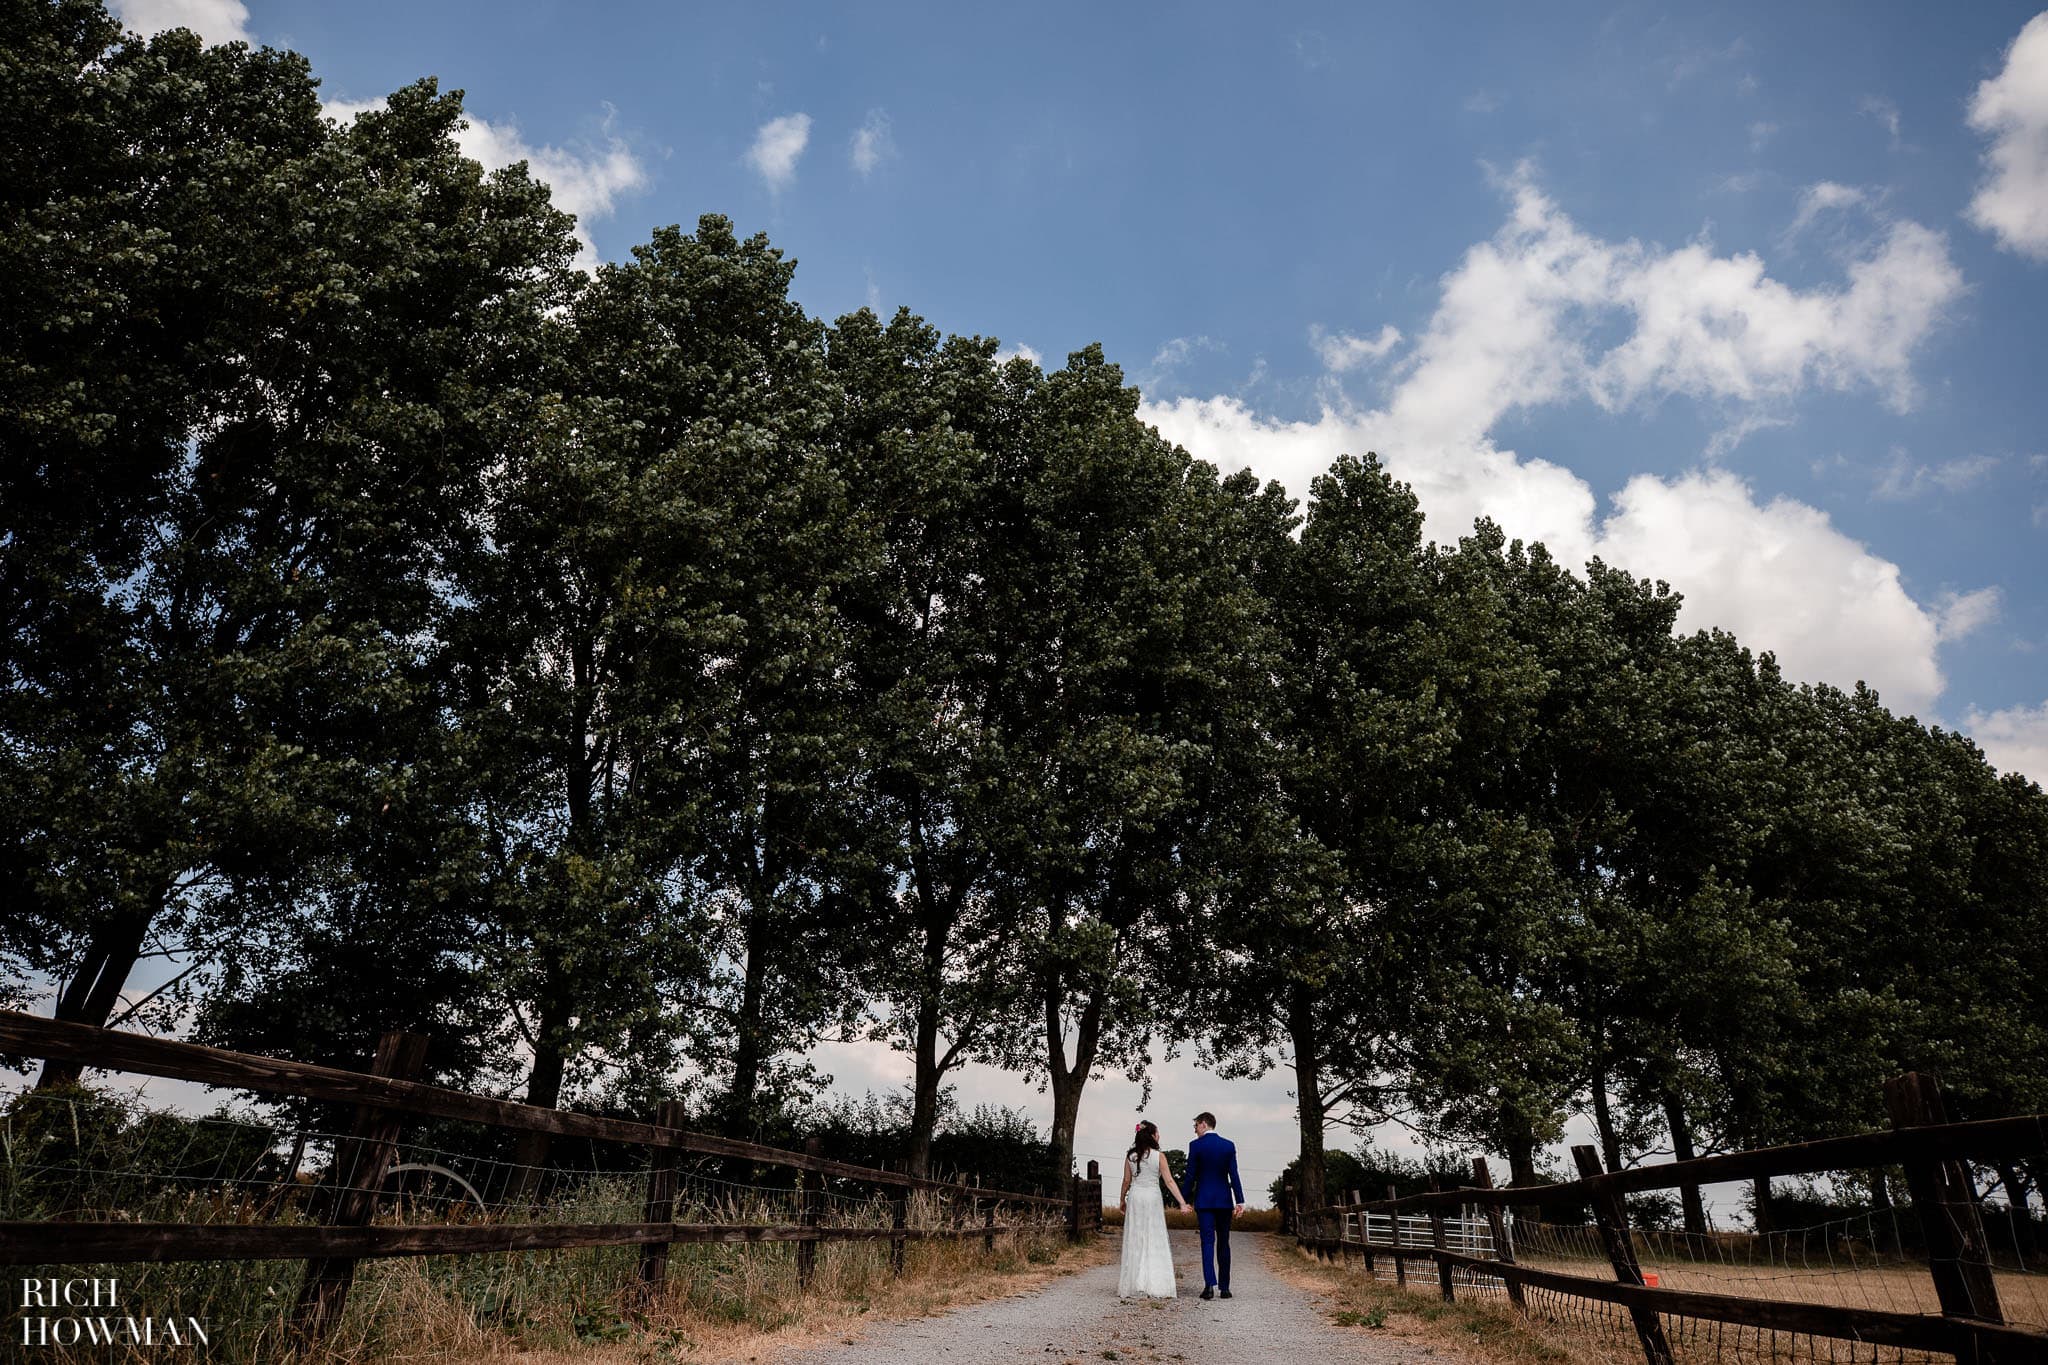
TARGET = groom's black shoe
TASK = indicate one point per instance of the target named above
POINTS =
(1223, 1293)
(1208, 1291)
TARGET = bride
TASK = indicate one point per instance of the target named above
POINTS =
(1148, 1261)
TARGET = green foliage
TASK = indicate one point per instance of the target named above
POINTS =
(631, 681)
(78, 1151)
(1000, 1147)
(1372, 1172)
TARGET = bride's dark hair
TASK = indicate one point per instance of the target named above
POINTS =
(1146, 1140)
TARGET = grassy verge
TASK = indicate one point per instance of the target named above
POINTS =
(1476, 1329)
(95, 1156)
(754, 1312)
(721, 1303)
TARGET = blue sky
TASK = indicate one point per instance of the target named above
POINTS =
(1748, 297)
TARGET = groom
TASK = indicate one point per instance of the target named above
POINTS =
(1216, 1192)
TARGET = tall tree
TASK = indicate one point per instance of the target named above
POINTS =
(613, 635)
(925, 423)
(1397, 693)
(1123, 641)
(314, 399)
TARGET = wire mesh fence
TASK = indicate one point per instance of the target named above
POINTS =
(93, 1156)
(1858, 1257)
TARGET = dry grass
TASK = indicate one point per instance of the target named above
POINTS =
(1251, 1220)
(729, 1303)
(751, 1310)
(1585, 1332)
(1840, 1279)
(1475, 1329)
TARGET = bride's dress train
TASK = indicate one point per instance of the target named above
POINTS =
(1148, 1259)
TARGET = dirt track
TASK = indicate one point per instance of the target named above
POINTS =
(1079, 1319)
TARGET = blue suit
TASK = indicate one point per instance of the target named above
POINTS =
(1215, 1191)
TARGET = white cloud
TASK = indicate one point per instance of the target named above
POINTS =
(1342, 351)
(1683, 66)
(585, 181)
(1456, 481)
(1761, 133)
(1516, 323)
(1824, 197)
(776, 148)
(1717, 327)
(1519, 324)
(1020, 352)
(872, 142)
(2012, 109)
(1965, 612)
(1885, 112)
(1901, 480)
(2015, 739)
(1177, 351)
(216, 21)
(1781, 577)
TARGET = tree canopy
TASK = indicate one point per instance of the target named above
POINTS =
(632, 680)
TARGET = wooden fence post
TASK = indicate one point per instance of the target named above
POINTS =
(1612, 1218)
(1503, 1250)
(1365, 1235)
(1394, 1225)
(359, 1165)
(661, 1201)
(811, 1198)
(1077, 1190)
(1436, 1238)
(1345, 1223)
(899, 1219)
(1958, 1253)
(1094, 1205)
(988, 1221)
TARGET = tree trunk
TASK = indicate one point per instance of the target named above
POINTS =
(2016, 1202)
(1887, 1234)
(1682, 1150)
(928, 1072)
(1308, 1085)
(95, 988)
(1521, 1144)
(1610, 1141)
(543, 1088)
(748, 1044)
(1067, 1082)
(924, 1104)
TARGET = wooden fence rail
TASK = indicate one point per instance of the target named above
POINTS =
(386, 1095)
(1970, 1326)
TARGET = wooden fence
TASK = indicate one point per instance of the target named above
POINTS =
(387, 1095)
(1931, 1150)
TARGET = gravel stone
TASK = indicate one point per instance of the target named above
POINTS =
(1078, 1320)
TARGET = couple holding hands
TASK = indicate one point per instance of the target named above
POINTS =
(1214, 1191)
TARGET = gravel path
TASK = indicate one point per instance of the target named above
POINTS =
(1079, 1319)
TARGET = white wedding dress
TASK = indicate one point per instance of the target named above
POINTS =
(1148, 1260)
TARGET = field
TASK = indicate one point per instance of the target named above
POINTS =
(1832, 1270)
(1577, 1329)
(1251, 1220)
